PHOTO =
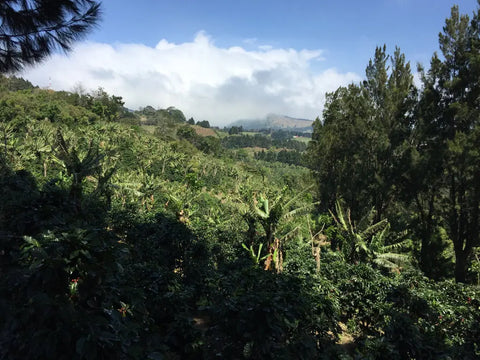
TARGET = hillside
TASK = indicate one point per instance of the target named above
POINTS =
(128, 235)
(274, 121)
(201, 131)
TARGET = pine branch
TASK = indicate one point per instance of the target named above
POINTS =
(31, 31)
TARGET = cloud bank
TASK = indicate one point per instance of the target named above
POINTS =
(201, 79)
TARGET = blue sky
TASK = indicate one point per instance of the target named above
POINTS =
(348, 30)
(224, 60)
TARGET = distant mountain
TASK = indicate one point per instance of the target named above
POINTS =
(274, 121)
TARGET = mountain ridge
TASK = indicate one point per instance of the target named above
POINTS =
(275, 121)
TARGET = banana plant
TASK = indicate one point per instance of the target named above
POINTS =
(273, 215)
(80, 168)
(256, 255)
(38, 144)
(366, 242)
(9, 141)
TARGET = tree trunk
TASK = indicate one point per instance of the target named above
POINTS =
(425, 254)
(426, 218)
(461, 262)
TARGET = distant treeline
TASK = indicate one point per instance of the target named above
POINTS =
(259, 140)
(291, 157)
(275, 134)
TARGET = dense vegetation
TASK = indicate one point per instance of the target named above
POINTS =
(411, 153)
(140, 235)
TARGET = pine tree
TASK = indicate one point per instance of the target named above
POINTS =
(30, 30)
(357, 151)
(449, 133)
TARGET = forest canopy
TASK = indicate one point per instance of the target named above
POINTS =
(410, 153)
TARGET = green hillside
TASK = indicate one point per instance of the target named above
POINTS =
(122, 242)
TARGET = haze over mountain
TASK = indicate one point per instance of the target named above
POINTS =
(275, 121)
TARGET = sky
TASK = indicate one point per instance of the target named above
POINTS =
(224, 60)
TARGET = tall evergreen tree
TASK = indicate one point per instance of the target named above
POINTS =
(30, 30)
(357, 150)
(449, 134)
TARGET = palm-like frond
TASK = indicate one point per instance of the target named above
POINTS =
(299, 211)
(367, 242)
(391, 260)
(342, 217)
(378, 239)
(367, 219)
(375, 228)
(402, 245)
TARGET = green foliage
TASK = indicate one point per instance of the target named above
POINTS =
(105, 106)
(117, 243)
(234, 130)
(176, 114)
(357, 151)
(411, 154)
(447, 126)
(260, 140)
(256, 255)
(13, 83)
(203, 123)
(288, 157)
(266, 316)
(208, 144)
(433, 319)
(367, 241)
(165, 120)
(406, 316)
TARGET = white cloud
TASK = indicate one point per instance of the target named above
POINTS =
(203, 80)
(417, 80)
